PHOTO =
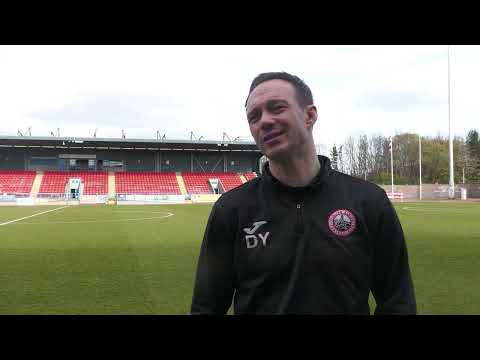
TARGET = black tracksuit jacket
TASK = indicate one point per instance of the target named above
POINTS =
(318, 249)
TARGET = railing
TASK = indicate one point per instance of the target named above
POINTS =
(52, 196)
(15, 194)
(396, 196)
(128, 199)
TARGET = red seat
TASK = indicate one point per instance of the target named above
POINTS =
(95, 182)
(16, 181)
(197, 183)
(148, 183)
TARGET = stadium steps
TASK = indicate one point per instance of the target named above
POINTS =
(36, 184)
(242, 178)
(181, 183)
(111, 184)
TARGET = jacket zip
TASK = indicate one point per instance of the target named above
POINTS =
(299, 228)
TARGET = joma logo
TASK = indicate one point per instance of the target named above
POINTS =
(251, 239)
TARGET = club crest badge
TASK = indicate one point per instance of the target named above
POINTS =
(342, 222)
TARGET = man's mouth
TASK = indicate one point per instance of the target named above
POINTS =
(271, 136)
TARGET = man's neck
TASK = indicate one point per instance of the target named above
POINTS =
(295, 172)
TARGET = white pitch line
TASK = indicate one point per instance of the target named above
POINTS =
(98, 221)
(436, 210)
(27, 217)
(141, 211)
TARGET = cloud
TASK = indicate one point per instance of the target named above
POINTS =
(396, 100)
(112, 110)
(179, 89)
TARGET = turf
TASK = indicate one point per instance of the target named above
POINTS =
(98, 259)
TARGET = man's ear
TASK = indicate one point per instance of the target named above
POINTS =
(311, 116)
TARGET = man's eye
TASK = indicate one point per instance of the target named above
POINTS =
(278, 108)
(252, 119)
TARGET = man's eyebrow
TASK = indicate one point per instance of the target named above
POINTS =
(269, 104)
(276, 101)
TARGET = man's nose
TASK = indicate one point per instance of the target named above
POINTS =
(266, 120)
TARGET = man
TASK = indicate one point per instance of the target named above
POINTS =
(302, 238)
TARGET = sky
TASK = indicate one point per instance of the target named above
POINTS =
(181, 89)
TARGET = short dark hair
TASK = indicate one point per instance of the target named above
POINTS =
(302, 91)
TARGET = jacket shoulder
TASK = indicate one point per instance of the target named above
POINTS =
(241, 194)
(356, 185)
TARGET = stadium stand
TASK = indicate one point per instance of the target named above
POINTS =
(229, 180)
(250, 175)
(139, 182)
(197, 183)
(16, 182)
(95, 182)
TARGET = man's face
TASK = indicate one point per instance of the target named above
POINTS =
(277, 122)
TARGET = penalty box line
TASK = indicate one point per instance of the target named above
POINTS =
(27, 217)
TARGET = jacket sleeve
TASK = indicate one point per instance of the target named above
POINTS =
(392, 284)
(214, 285)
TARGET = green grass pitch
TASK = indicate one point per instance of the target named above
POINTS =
(98, 259)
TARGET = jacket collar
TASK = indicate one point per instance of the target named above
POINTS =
(316, 182)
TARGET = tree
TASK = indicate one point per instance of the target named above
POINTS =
(351, 157)
(473, 144)
(362, 155)
(334, 157)
(405, 157)
(472, 157)
(377, 158)
(340, 163)
(435, 160)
